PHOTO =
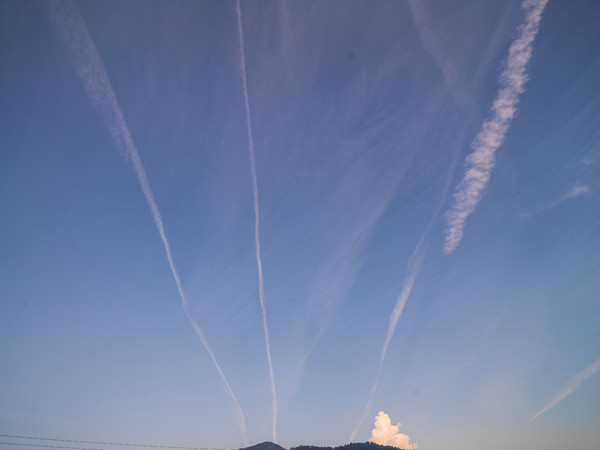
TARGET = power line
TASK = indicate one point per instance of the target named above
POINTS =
(49, 446)
(73, 441)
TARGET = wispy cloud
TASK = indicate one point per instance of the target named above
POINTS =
(338, 274)
(72, 31)
(433, 45)
(588, 161)
(568, 388)
(575, 191)
(491, 136)
(436, 45)
(412, 271)
(261, 288)
(371, 191)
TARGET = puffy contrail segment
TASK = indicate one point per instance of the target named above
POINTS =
(72, 31)
(491, 136)
(568, 388)
(261, 288)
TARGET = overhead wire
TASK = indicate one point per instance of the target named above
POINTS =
(74, 441)
(49, 446)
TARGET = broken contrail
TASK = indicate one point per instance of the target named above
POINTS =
(73, 33)
(480, 161)
(261, 288)
(568, 388)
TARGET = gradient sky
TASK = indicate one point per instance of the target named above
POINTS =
(363, 115)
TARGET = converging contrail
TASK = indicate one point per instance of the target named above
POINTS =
(261, 288)
(481, 162)
(575, 191)
(72, 31)
(568, 388)
(412, 271)
(491, 136)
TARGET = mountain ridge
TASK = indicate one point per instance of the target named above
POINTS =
(267, 445)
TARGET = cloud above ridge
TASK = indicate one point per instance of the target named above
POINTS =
(384, 433)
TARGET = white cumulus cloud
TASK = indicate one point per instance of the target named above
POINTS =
(384, 433)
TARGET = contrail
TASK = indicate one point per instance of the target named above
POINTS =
(491, 136)
(412, 271)
(575, 191)
(493, 132)
(72, 31)
(261, 288)
(414, 264)
(569, 388)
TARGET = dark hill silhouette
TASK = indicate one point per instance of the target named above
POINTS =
(264, 446)
(353, 446)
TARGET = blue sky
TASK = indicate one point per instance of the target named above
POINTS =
(362, 118)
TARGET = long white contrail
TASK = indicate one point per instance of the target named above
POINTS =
(72, 31)
(480, 162)
(261, 288)
(568, 388)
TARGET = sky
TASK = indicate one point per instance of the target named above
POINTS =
(304, 222)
